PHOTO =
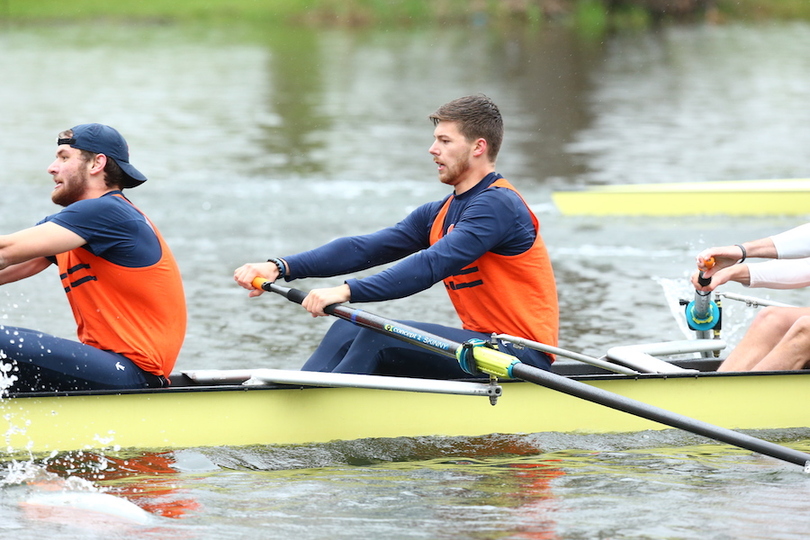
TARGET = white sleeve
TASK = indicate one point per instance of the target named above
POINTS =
(780, 274)
(794, 243)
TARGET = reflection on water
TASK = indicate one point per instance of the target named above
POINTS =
(146, 479)
(542, 486)
(292, 142)
(261, 142)
(699, 103)
(88, 495)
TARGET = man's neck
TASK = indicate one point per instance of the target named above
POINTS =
(471, 179)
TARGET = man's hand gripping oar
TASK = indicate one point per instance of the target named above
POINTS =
(477, 358)
(703, 313)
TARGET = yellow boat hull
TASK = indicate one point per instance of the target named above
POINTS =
(737, 198)
(237, 416)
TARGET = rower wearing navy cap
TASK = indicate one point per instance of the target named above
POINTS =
(121, 279)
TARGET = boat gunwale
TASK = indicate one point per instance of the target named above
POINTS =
(231, 387)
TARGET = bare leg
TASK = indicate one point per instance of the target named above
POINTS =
(793, 352)
(770, 326)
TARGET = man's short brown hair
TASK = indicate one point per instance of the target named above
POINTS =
(477, 117)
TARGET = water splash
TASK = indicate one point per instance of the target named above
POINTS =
(7, 378)
(43, 495)
(676, 290)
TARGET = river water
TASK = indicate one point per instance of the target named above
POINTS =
(264, 142)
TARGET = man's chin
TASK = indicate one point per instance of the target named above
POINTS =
(58, 198)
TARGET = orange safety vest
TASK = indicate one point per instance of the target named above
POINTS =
(137, 312)
(505, 294)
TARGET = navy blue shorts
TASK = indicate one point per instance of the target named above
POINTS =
(347, 348)
(42, 362)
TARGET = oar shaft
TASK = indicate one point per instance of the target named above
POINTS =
(656, 414)
(702, 299)
(700, 310)
(362, 318)
(396, 329)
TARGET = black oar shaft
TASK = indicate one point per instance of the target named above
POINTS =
(553, 381)
(362, 318)
(656, 414)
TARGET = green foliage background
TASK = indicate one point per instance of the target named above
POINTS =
(379, 12)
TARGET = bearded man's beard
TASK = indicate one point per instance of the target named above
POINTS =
(451, 175)
(71, 191)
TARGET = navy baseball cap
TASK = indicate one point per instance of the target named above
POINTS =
(101, 139)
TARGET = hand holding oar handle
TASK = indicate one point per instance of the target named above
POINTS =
(703, 314)
(495, 363)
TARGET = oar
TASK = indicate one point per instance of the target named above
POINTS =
(499, 364)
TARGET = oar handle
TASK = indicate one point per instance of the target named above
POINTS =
(703, 314)
(701, 309)
(702, 298)
(293, 295)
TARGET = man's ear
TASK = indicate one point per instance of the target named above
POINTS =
(98, 164)
(480, 147)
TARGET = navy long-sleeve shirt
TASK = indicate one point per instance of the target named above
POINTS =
(483, 219)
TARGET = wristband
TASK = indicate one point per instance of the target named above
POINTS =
(744, 253)
(280, 265)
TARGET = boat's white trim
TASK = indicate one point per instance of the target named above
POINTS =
(311, 378)
(640, 356)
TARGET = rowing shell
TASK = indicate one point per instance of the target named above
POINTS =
(205, 409)
(733, 198)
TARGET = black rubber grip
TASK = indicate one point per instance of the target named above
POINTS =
(296, 295)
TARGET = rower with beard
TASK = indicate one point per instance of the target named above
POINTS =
(482, 241)
(121, 279)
